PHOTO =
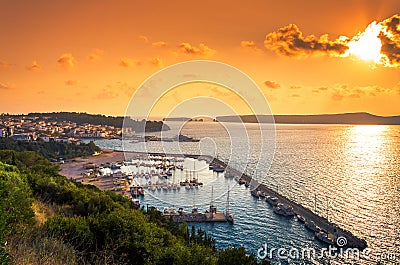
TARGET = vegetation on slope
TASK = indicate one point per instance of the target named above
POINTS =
(89, 226)
(51, 150)
(98, 119)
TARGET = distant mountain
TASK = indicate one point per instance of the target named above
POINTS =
(343, 118)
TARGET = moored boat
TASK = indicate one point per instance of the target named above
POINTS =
(310, 225)
(301, 218)
(273, 201)
(325, 237)
(284, 210)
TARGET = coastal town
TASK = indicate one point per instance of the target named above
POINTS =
(30, 128)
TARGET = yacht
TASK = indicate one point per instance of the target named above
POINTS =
(312, 226)
(301, 218)
(283, 209)
(325, 237)
(273, 201)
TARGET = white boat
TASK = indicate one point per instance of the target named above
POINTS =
(136, 202)
(273, 201)
(301, 218)
(283, 209)
(326, 238)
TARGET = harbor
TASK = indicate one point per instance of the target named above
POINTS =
(325, 231)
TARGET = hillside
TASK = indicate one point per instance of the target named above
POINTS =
(48, 219)
(98, 119)
(344, 118)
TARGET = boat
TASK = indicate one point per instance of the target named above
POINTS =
(242, 181)
(256, 193)
(273, 201)
(310, 225)
(141, 191)
(284, 210)
(166, 210)
(218, 169)
(246, 184)
(136, 202)
(301, 218)
(325, 237)
(180, 210)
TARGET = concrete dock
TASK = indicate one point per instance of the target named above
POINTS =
(197, 217)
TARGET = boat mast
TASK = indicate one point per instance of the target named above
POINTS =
(227, 212)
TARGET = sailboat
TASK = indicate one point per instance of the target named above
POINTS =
(228, 214)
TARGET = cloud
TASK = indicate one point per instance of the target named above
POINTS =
(126, 62)
(390, 38)
(106, 93)
(272, 84)
(295, 87)
(289, 41)
(295, 96)
(202, 50)
(71, 82)
(322, 88)
(7, 85)
(34, 67)
(95, 55)
(5, 65)
(156, 62)
(159, 44)
(144, 38)
(249, 45)
(67, 62)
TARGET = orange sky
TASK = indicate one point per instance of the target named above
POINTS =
(91, 56)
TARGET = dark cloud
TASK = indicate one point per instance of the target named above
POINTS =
(390, 38)
(272, 84)
(289, 41)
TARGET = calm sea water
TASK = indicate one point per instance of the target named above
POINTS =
(351, 174)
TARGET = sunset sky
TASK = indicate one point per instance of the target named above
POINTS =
(91, 56)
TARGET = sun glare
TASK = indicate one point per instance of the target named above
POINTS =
(367, 45)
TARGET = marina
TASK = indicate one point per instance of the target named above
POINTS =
(149, 175)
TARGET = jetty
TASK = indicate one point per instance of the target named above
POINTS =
(329, 227)
(198, 217)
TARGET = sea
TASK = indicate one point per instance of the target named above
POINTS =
(349, 174)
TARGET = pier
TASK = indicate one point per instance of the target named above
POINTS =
(198, 217)
(329, 227)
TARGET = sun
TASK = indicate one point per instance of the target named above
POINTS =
(367, 45)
